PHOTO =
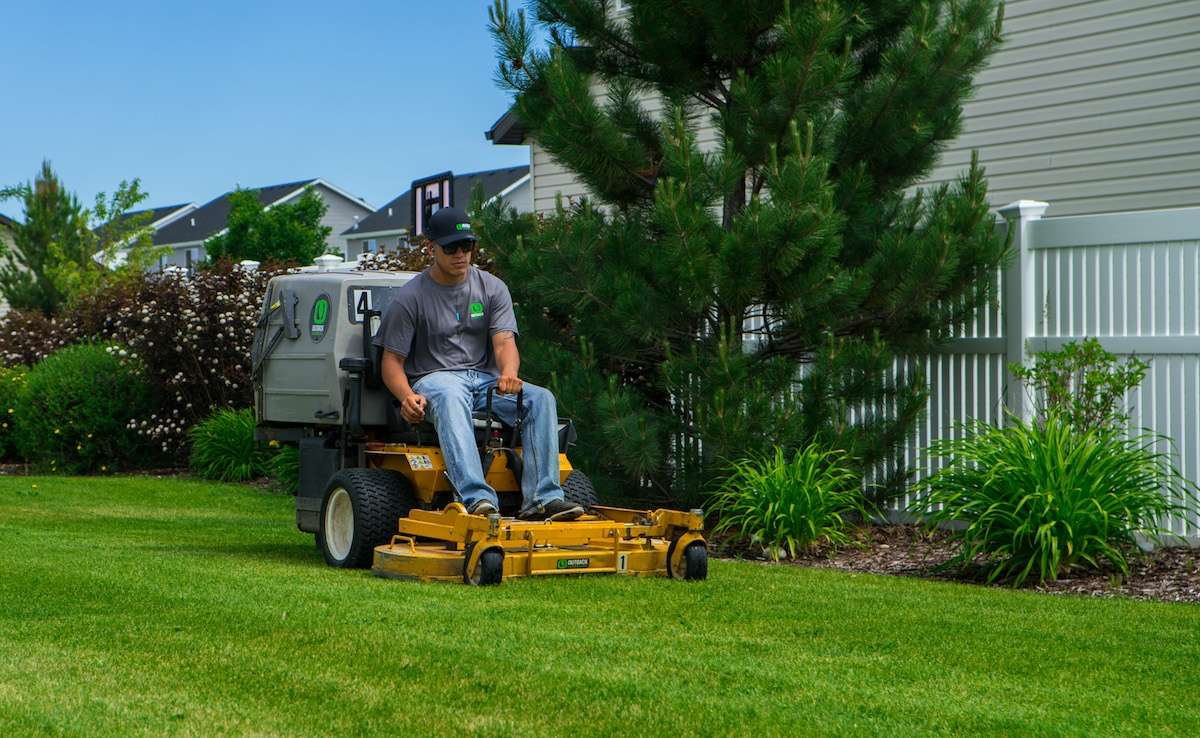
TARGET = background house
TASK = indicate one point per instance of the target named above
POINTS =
(186, 233)
(391, 226)
(6, 226)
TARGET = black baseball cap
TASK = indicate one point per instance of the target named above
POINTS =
(449, 225)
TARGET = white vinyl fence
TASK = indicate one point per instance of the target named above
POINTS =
(1132, 280)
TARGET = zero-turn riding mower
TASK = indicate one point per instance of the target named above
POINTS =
(373, 488)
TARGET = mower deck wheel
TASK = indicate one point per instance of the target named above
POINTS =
(489, 570)
(692, 566)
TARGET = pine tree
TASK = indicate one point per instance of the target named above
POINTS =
(712, 299)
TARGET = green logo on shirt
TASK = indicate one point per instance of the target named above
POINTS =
(477, 310)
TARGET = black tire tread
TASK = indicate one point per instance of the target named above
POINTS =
(381, 497)
(695, 562)
(578, 489)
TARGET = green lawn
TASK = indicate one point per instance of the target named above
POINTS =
(133, 606)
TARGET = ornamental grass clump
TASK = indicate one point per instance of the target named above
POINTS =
(1040, 499)
(224, 447)
(284, 469)
(786, 506)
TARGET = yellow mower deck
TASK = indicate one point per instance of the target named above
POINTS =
(608, 540)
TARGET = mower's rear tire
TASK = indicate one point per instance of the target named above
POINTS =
(360, 511)
(578, 489)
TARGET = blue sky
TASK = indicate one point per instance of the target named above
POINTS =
(198, 97)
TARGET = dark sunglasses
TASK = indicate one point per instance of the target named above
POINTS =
(454, 248)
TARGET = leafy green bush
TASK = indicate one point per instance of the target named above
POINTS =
(1082, 383)
(1038, 499)
(223, 447)
(284, 468)
(75, 413)
(12, 383)
(786, 506)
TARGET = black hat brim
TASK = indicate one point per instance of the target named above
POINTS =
(454, 238)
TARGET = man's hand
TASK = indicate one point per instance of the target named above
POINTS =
(413, 408)
(507, 385)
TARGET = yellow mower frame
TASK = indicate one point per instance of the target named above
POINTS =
(452, 545)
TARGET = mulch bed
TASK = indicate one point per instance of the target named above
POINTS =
(1165, 575)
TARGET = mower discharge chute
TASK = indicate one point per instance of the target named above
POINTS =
(373, 488)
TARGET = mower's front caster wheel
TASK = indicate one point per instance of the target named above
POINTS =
(360, 511)
(489, 570)
(692, 566)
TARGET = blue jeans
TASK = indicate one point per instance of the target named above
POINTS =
(452, 396)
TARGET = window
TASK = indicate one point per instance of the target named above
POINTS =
(369, 246)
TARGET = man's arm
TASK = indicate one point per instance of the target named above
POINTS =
(412, 405)
(508, 361)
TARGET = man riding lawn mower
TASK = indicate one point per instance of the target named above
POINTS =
(422, 453)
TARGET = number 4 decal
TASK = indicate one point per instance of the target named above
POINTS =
(362, 303)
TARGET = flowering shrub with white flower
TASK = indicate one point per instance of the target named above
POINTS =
(192, 333)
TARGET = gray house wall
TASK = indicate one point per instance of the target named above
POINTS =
(340, 216)
(1093, 106)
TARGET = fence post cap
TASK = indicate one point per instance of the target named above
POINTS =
(1024, 209)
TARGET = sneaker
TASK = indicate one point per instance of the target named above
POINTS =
(554, 510)
(482, 507)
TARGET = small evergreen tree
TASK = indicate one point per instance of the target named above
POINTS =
(63, 249)
(711, 301)
(53, 218)
(290, 232)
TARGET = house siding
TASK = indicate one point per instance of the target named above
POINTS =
(339, 217)
(1094, 106)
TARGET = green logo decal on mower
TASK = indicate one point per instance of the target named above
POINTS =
(477, 310)
(319, 318)
(573, 563)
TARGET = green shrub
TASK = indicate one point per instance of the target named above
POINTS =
(786, 506)
(1038, 499)
(284, 468)
(12, 384)
(223, 447)
(1081, 383)
(75, 413)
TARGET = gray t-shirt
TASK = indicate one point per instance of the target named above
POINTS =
(436, 326)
